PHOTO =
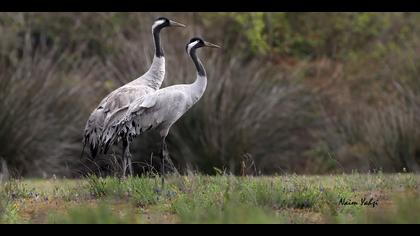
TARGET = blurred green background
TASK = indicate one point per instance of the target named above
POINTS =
(306, 93)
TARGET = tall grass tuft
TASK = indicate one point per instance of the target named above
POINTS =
(249, 111)
(373, 124)
(42, 103)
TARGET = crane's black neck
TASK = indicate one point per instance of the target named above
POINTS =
(156, 37)
(198, 65)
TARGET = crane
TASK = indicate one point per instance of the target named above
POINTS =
(159, 110)
(111, 106)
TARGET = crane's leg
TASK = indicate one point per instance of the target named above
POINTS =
(124, 167)
(127, 158)
(165, 155)
(130, 166)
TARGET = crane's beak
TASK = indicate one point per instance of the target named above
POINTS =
(176, 24)
(207, 44)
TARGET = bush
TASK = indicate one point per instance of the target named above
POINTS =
(311, 35)
(43, 110)
(373, 123)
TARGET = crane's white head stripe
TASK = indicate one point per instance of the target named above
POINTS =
(158, 22)
(191, 45)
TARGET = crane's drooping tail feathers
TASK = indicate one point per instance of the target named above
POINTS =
(108, 128)
(126, 122)
(109, 137)
(114, 132)
(92, 139)
(93, 131)
(126, 127)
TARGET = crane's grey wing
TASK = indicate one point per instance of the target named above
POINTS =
(115, 117)
(164, 107)
(135, 120)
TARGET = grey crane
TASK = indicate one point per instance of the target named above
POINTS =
(112, 106)
(161, 109)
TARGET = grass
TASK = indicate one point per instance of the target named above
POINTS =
(213, 199)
